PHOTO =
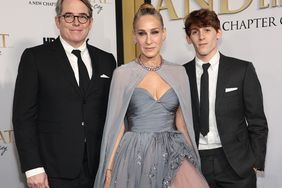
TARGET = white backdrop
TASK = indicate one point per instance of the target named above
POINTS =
(260, 43)
(23, 24)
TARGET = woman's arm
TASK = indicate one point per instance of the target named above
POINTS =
(181, 125)
(111, 161)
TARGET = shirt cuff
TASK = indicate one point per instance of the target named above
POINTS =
(34, 172)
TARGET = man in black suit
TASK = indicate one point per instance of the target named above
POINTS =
(229, 121)
(60, 103)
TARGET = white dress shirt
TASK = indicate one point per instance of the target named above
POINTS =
(73, 59)
(211, 140)
(73, 62)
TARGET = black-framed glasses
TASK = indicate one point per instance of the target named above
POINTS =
(69, 18)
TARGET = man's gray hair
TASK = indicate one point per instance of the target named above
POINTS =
(59, 7)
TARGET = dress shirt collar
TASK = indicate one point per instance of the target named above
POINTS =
(68, 48)
(213, 61)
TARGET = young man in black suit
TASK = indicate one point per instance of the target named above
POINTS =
(229, 121)
(60, 103)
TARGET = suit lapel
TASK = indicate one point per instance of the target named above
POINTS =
(64, 63)
(94, 61)
(193, 84)
(223, 72)
(191, 70)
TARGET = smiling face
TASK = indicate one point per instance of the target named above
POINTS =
(204, 40)
(149, 35)
(73, 33)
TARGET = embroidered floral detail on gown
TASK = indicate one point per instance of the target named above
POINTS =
(152, 153)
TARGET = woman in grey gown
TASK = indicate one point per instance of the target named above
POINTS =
(148, 140)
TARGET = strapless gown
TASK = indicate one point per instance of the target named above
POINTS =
(152, 153)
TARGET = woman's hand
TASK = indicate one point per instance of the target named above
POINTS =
(108, 178)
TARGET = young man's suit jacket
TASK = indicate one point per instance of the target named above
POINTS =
(49, 109)
(240, 117)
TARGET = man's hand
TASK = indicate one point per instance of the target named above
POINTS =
(38, 181)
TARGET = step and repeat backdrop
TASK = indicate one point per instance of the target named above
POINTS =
(252, 30)
(24, 24)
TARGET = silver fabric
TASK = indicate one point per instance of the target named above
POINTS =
(151, 149)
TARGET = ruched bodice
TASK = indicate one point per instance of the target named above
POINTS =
(145, 114)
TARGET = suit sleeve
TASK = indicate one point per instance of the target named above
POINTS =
(254, 112)
(25, 112)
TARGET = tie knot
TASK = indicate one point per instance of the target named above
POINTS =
(206, 66)
(76, 53)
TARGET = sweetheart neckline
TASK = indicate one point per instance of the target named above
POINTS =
(151, 96)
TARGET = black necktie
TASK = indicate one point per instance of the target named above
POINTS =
(204, 101)
(82, 71)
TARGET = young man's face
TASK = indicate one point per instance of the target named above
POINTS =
(204, 40)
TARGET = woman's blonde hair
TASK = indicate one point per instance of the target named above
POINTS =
(147, 9)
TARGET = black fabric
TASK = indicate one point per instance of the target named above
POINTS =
(219, 174)
(83, 73)
(49, 108)
(84, 180)
(204, 101)
(239, 114)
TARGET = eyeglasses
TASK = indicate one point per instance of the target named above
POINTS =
(69, 18)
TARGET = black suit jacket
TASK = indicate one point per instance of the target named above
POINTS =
(240, 117)
(49, 108)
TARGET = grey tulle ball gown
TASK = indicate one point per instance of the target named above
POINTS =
(152, 152)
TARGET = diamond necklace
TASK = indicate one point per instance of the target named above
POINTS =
(138, 60)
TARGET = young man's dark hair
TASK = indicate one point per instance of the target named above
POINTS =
(201, 18)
